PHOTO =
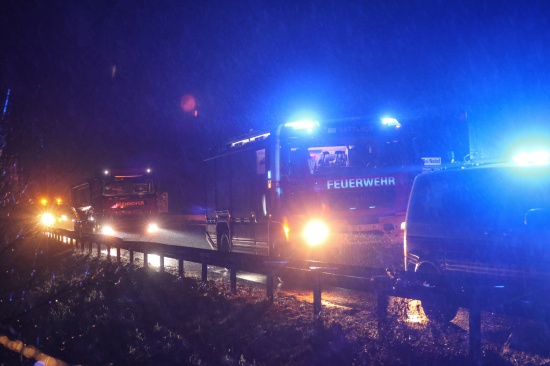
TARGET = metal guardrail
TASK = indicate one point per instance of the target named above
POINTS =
(365, 279)
(374, 280)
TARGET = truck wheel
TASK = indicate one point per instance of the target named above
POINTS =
(225, 243)
(439, 307)
(439, 304)
(279, 249)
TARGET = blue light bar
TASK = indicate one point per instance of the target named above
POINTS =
(302, 125)
(386, 121)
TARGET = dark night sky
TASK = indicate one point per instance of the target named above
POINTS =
(101, 82)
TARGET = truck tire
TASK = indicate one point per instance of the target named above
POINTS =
(279, 249)
(439, 307)
(224, 242)
(439, 304)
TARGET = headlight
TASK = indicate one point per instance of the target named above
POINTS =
(47, 219)
(152, 228)
(107, 230)
(63, 218)
(315, 232)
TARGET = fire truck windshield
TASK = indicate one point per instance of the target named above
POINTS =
(315, 158)
(127, 186)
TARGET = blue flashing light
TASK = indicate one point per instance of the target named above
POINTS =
(269, 174)
(6, 103)
(308, 125)
(392, 122)
(540, 157)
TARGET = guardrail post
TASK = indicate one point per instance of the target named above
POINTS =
(272, 267)
(233, 278)
(382, 305)
(108, 252)
(131, 256)
(181, 271)
(90, 247)
(118, 254)
(474, 321)
(317, 303)
(381, 285)
(145, 259)
(382, 314)
(204, 274)
(161, 262)
(99, 249)
(269, 284)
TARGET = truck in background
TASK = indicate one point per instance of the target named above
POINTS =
(117, 201)
(334, 191)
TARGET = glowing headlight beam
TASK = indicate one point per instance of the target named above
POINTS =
(152, 228)
(47, 219)
(315, 233)
(532, 158)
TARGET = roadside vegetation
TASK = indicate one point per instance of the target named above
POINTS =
(90, 311)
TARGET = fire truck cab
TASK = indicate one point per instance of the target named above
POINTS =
(118, 200)
(334, 191)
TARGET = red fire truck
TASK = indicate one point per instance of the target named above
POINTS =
(118, 200)
(334, 191)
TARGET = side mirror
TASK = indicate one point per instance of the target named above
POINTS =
(537, 218)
